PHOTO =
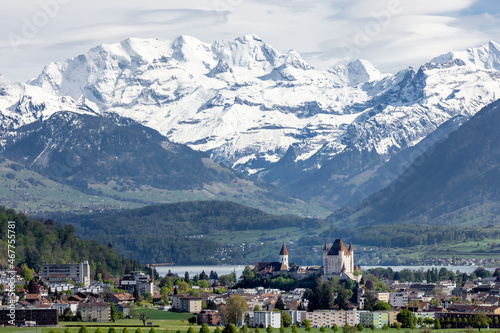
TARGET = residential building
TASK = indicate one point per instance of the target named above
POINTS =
(208, 317)
(399, 299)
(378, 318)
(95, 311)
(186, 303)
(297, 316)
(266, 318)
(61, 306)
(125, 298)
(78, 273)
(382, 296)
(139, 280)
(424, 315)
(41, 317)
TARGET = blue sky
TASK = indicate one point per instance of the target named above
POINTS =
(392, 34)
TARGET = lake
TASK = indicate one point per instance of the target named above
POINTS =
(226, 269)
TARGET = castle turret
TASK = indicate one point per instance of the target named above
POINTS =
(325, 261)
(284, 255)
(351, 252)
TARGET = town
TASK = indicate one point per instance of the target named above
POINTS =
(271, 295)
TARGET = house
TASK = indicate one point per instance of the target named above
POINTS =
(61, 306)
(121, 298)
(95, 311)
(125, 308)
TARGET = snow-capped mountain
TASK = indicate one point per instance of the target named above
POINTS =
(272, 115)
(22, 104)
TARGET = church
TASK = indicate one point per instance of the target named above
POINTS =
(276, 267)
(339, 261)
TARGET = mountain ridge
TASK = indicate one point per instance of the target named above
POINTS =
(270, 115)
(454, 181)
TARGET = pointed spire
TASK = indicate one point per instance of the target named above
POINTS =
(325, 248)
(350, 247)
(283, 251)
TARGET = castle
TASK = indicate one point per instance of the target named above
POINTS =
(337, 261)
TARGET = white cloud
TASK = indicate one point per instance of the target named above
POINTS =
(390, 33)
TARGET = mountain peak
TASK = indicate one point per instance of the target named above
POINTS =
(249, 38)
(357, 72)
(486, 56)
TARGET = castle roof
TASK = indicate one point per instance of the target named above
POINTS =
(350, 247)
(283, 251)
(338, 246)
(269, 267)
(325, 248)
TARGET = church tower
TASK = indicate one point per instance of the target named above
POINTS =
(284, 255)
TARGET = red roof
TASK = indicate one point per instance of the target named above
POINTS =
(325, 248)
(350, 247)
(283, 251)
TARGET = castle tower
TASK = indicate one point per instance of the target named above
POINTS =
(325, 259)
(351, 252)
(284, 255)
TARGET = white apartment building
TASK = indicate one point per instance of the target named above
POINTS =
(267, 318)
(78, 273)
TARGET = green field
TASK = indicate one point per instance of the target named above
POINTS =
(172, 327)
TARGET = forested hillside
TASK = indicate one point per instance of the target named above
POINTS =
(177, 232)
(45, 242)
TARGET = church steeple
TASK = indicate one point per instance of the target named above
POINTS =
(284, 255)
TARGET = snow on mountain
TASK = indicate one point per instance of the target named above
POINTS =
(484, 57)
(251, 106)
(22, 104)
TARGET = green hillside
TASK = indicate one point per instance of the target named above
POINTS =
(40, 242)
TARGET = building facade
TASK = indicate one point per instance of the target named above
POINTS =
(95, 311)
(209, 317)
(186, 303)
(339, 261)
(137, 280)
(266, 318)
(41, 317)
(78, 273)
